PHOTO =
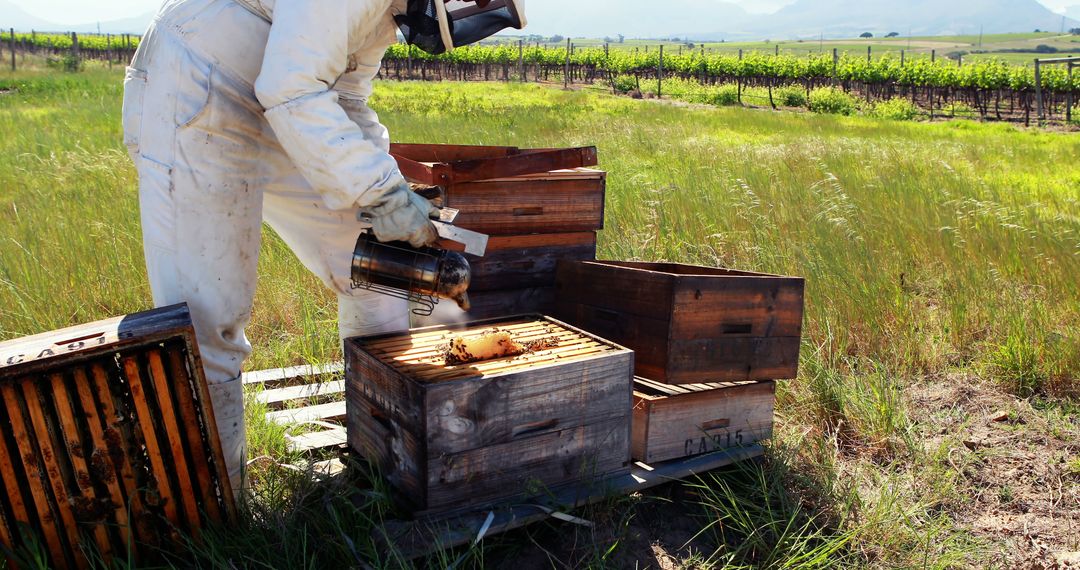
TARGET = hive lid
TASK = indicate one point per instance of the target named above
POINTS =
(440, 165)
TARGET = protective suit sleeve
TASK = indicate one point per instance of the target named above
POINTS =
(307, 51)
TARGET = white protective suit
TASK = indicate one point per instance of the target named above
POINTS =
(240, 111)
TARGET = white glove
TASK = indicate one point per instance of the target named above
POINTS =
(404, 215)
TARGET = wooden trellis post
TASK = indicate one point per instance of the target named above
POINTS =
(566, 67)
(1038, 90)
(660, 75)
(75, 49)
(12, 46)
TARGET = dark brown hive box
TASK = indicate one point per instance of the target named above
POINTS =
(688, 324)
(450, 437)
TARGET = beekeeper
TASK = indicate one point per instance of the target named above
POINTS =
(238, 112)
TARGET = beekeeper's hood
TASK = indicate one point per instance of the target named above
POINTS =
(437, 26)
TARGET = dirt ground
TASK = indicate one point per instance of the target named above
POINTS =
(1019, 476)
(1019, 469)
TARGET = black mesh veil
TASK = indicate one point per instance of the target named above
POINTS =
(420, 26)
(466, 22)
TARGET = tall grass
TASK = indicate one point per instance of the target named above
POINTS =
(927, 249)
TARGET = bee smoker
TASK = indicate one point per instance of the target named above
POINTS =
(422, 276)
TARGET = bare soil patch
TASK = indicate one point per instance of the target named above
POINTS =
(1018, 462)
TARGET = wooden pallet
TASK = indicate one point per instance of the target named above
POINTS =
(308, 396)
(426, 535)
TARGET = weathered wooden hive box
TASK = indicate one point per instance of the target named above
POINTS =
(680, 421)
(450, 437)
(540, 206)
(107, 436)
(688, 324)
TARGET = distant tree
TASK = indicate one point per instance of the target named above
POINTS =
(691, 45)
(608, 40)
(892, 34)
(1043, 48)
(556, 39)
(1038, 31)
(1075, 31)
(622, 38)
(866, 35)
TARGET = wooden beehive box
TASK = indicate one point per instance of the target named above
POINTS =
(450, 437)
(540, 207)
(688, 324)
(107, 438)
(510, 191)
(679, 421)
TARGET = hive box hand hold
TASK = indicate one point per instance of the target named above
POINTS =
(688, 324)
(107, 435)
(454, 437)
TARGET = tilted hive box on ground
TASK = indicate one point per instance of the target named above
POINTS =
(454, 437)
(107, 438)
(688, 324)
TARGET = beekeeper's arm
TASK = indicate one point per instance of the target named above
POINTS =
(307, 52)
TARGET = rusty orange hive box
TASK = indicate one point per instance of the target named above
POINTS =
(105, 438)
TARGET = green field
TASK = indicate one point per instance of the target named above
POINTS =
(943, 281)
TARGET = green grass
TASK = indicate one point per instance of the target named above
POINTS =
(929, 250)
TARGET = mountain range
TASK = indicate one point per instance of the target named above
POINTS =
(717, 19)
(12, 16)
(720, 19)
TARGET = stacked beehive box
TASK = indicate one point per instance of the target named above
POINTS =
(459, 436)
(709, 344)
(539, 207)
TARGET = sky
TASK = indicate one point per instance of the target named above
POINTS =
(83, 12)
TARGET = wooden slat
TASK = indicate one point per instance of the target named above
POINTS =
(441, 335)
(426, 347)
(282, 395)
(190, 420)
(100, 453)
(10, 484)
(170, 418)
(407, 344)
(120, 457)
(71, 437)
(335, 410)
(31, 354)
(285, 374)
(328, 469)
(427, 355)
(317, 440)
(47, 515)
(525, 362)
(49, 460)
(6, 539)
(414, 539)
(153, 448)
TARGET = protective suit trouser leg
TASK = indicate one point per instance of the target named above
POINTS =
(209, 169)
(192, 136)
